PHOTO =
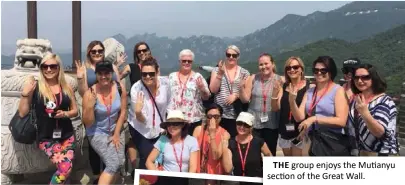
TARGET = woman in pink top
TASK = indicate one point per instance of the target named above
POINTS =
(213, 141)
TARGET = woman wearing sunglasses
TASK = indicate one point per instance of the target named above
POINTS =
(256, 91)
(323, 110)
(141, 53)
(247, 149)
(179, 150)
(86, 78)
(55, 104)
(288, 128)
(373, 113)
(188, 89)
(225, 83)
(149, 99)
(105, 111)
(213, 141)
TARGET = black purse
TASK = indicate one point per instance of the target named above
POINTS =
(24, 129)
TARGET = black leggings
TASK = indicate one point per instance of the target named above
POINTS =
(270, 136)
(143, 145)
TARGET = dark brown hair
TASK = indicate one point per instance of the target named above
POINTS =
(378, 83)
(136, 58)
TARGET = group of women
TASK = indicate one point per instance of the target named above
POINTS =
(172, 130)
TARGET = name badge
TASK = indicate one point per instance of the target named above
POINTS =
(57, 134)
(264, 117)
(290, 127)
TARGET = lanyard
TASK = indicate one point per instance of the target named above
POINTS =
(231, 81)
(108, 107)
(57, 103)
(183, 87)
(179, 162)
(313, 103)
(243, 160)
(264, 91)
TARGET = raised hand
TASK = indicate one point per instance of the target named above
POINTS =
(121, 59)
(139, 102)
(221, 67)
(29, 87)
(200, 84)
(91, 98)
(361, 104)
(212, 126)
(80, 69)
(292, 95)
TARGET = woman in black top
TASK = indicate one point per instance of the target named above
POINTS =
(55, 104)
(288, 128)
(246, 149)
(141, 53)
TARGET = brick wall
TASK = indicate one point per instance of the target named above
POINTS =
(401, 121)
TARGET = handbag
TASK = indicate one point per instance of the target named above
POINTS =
(325, 142)
(24, 129)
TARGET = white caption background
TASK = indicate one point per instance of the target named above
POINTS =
(332, 170)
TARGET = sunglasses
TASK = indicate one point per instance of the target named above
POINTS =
(243, 124)
(175, 124)
(215, 116)
(320, 70)
(142, 51)
(99, 51)
(232, 55)
(150, 74)
(51, 66)
(296, 67)
(363, 78)
(186, 61)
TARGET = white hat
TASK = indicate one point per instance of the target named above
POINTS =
(173, 116)
(246, 117)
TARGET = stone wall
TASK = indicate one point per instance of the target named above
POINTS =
(401, 121)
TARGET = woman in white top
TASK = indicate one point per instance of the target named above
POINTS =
(146, 116)
(188, 89)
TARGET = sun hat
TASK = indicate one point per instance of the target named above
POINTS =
(173, 116)
(246, 117)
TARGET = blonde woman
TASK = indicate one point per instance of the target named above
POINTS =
(225, 84)
(55, 105)
(294, 75)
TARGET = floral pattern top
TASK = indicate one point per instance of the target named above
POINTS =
(187, 97)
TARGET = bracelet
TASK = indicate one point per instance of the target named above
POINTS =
(276, 98)
(24, 95)
(79, 78)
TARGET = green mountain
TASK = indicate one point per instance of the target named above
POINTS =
(384, 50)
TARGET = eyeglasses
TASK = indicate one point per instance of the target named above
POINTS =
(95, 51)
(296, 67)
(52, 66)
(142, 51)
(175, 124)
(187, 61)
(232, 55)
(320, 70)
(362, 77)
(150, 74)
(242, 124)
(215, 116)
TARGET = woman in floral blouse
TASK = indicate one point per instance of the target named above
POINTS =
(188, 89)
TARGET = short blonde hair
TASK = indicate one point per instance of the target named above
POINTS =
(233, 47)
(288, 62)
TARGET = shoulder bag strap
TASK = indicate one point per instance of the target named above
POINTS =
(154, 102)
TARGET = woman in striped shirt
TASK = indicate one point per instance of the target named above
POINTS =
(225, 84)
(373, 113)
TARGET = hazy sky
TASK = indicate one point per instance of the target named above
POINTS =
(173, 19)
